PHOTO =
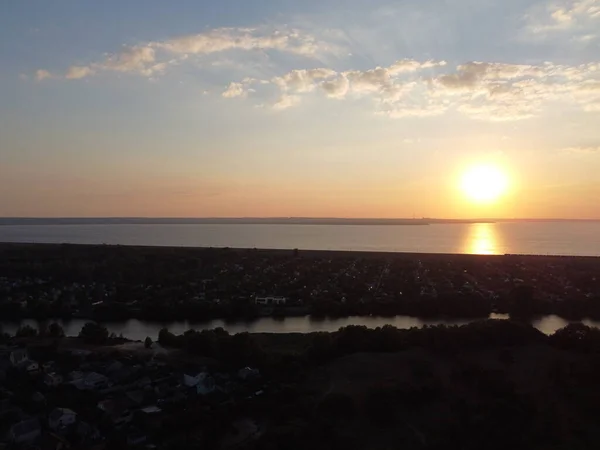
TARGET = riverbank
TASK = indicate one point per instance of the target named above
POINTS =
(138, 330)
(374, 388)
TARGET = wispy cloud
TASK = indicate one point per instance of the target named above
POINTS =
(77, 72)
(580, 16)
(381, 82)
(223, 39)
(150, 58)
(582, 150)
(235, 90)
(286, 101)
(480, 90)
(42, 74)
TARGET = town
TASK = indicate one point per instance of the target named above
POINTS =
(87, 392)
(356, 388)
(117, 283)
(349, 389)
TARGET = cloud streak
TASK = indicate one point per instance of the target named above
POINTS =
(582, 150)
(480, 90)
(581, 16)
(150, 58)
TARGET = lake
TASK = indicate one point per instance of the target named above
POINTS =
(138, 330)
(545, 238)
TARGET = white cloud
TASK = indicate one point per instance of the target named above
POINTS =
(149, 58)
(223, 39)
(381, 81)
(480, 90)
(286, 101)
(133, 59)
(235, 90)
(469, 76)
(77, 72)
(336, 88)
(495, 91)
(410, 65)
(302, 80)
(579, 16)
(42, 74)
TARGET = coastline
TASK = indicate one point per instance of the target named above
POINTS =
(286, 252)
(117, 283)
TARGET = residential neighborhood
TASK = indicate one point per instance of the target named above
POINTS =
(118, 283)
(110, 399)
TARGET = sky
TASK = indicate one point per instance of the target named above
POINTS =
(319, 108)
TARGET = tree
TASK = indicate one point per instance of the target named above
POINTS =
(26, 331)
(337, 406)
(148, 342)
(523, 303)
(577, 336)
(168, 339)
(381, 405)
(93, 333)
(56, 331)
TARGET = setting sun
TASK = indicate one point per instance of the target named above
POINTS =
(484, 183)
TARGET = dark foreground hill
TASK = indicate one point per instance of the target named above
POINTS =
(491, 384)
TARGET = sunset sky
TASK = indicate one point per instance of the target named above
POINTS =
(339, 108)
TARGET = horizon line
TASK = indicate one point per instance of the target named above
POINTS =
(408, 219)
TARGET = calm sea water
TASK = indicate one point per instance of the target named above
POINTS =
(138, 330)
(548, 238)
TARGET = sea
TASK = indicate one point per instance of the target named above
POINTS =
(580, 238)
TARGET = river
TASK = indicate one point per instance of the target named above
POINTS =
(138, 329)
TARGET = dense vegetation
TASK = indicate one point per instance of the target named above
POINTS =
(490, 384)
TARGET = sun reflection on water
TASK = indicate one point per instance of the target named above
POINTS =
(482, 239)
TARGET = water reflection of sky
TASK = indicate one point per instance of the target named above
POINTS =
(482, 239)
(138, 330)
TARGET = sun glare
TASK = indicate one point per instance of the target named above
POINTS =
(484, 183)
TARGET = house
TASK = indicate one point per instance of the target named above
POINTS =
(61, 417)
(136, 396)
(120, 375)
(94, 381)
(18, 356)
(7, 408)
(49, 367)
(247, 373)
(280, 301)
(116, 411)
(29, 366)
(53, 379)
(4, 366)
(151, 410)
(25, 432)
(203, 382)
(87, 432)
(76, 375)
(136, 437)
(143, 382)
(38, 397)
